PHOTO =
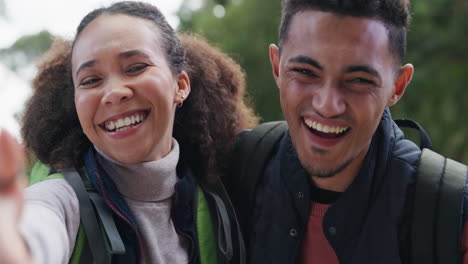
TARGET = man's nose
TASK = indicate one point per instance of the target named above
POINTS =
(328, 100)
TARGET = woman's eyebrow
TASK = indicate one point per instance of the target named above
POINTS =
(131, 53)
(87, 64)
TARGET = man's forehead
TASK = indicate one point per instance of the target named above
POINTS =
(337, 42)
(313, 29)
(316, 19)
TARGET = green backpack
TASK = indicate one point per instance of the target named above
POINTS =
(437, 220)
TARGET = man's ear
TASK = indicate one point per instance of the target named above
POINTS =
(183, 88)
(274, 60)
(403, 79)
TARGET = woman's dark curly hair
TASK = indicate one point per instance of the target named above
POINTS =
(206, 126)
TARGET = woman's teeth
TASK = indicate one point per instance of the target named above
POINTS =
(123, 124)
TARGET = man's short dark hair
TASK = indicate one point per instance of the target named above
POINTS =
(393, 13)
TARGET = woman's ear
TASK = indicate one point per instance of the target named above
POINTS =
(183, 88)
(403, 79)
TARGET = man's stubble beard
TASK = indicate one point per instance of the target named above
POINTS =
(321, 173)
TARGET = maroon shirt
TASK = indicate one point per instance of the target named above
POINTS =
(315, 247)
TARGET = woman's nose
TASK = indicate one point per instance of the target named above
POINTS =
(116, 91)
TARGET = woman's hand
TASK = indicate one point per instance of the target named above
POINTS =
(13, 249)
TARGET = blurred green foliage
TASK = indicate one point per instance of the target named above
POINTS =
(244, 33)
(438, 97)
(437, 46)
(26, 49)
(33, 45)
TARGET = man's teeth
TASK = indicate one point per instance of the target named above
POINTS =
(324, 128)
(122, 124)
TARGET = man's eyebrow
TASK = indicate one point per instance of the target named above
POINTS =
(306, 60)
(87, 64)
(362, 68)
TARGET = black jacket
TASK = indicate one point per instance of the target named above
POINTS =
(369, 223)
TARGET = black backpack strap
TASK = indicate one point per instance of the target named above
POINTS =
(88, 217)
(224, 231)
(424, 139)
(437, 221)
(114, 241)
(94, 214)
(253, 151)
(228, 226)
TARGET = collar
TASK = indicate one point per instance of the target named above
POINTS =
(147, 181)
(183, 199)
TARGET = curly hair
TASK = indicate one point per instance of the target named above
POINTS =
(215, 107)
(50, 125)
(206, 126)
(393, 13)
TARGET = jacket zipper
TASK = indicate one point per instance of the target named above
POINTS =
(119, 214)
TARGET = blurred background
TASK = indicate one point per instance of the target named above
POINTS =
(437, 46)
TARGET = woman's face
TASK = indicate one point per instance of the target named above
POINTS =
(125, 92)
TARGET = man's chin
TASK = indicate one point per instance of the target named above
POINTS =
(325, 172)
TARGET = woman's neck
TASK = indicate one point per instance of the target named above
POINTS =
(146, 181)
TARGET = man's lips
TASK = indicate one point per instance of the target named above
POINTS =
(326, 131)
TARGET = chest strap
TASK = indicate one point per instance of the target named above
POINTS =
(93, 214)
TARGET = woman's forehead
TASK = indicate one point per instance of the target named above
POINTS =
(115, 32)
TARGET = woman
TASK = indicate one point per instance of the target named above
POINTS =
(150, 135)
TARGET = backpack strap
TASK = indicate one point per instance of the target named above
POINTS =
(88, 217)
(93, 214)
(228, 230)
(424, 139)
(253, 151)
(437, 225)
(224, 230)
(114, 241)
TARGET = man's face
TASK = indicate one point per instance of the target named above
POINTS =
(336, 75)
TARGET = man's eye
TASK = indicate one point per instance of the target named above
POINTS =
(136, 68)
(362, 81)
(304, 71)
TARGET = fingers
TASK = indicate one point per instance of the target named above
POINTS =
(12, 247)
(11, 161)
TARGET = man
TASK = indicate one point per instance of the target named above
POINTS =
(339, 187)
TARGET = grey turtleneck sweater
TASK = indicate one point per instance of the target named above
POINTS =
(146, 187)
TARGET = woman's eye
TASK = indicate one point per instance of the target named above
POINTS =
(90, 81)
(137, 68)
